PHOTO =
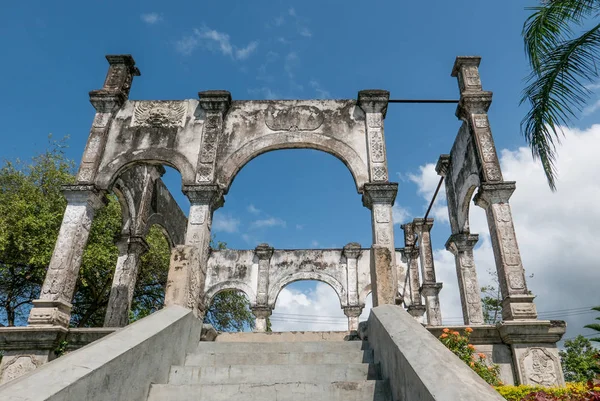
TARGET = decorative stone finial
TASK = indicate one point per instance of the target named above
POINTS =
(352, 250)
(264, 251)
(443, 165)
(215, 100)
(117, 84)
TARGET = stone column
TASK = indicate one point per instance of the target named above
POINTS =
(352, 252)
(53, 308)
(261, 314)
(379, 198)
(262, 311)
(517, 302)
(353, 313)
(494, 192)
(107, 101)
(126, 272)
(411, 253)
(430, 289)
(204, 200)
(461, 246)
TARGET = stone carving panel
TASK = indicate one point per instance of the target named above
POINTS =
(382, 213)
(374, 120)
(383, 237)
(166, 114)
(379, 173)
(539, 367)
(376, 144)
(19, 366)
(198, 214)
(293, 118)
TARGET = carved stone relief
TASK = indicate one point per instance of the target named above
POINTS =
(198, 214)
(293, 118)
(374, 120)
(382, 213)
(379, 173)
(539, 367)
(383, 238)
(165, 114)
(19, 366)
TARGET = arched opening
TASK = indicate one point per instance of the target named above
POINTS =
(308, 305)
(364, 316)
(127, 255)
(229, 311)
(293, 199)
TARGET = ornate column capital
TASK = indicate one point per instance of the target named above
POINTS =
(443, 165)
(431, 289)
(261, 312)
(352, 250)
(489, 194)
(409, 236)
(264, 251)
(461, 242)
(373, 101)
(132, 244)
(379, 194)
(79, 194)
(205, 194)
(353, 310)
(473, 103)
(117, 84)
(215, 100)
(423, 225)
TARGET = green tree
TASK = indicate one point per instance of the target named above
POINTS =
(579, 360)
(562, 63)
(491, 302)
(594, 326)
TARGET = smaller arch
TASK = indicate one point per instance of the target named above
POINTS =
(158, 220)
(363, 294)
(234, 162)
(275, 288)
(109, 173)
(229, 285)
(464, 196)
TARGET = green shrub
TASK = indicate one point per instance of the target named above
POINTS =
(571, 392)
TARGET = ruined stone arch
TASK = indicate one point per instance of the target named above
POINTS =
(230, 166)
(364, 293)
(229, 285)
(464, 196)
(110, 171)
(275, 288)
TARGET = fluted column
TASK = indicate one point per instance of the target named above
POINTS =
(126, 272)
(461, 245)
(411, 253)
(53, 308)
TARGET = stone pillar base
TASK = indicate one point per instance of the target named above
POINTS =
(261, 314)
(417, 311)
(50, 313)
(353, 313)
(519, 307)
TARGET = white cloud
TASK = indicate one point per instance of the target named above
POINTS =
(264, 91)
(245, 52)
(321, 93)
(299, 226)
(304, 31)
(400, 215)
(291, 62)
(557, 232)
(252, 209)
(308, 310)
(292, 11)
(591, 108)
(151, 18)
(214, 40)
(314, 244)
(269, 222)
(225, 223)
(427, 181)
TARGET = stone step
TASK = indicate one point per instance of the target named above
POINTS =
(277, 358)
(283, 336)
(365, 390)
(262, 347)
(271, 374)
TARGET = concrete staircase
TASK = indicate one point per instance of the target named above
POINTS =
(255, 369)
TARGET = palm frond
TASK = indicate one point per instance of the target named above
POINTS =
(556, 92)
(550, 24)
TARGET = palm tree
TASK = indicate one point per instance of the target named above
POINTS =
(594, 326)
(562, 63)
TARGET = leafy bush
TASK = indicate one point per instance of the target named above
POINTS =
(572, 392)
(459, 344)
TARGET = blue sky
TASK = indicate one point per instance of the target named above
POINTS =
(54, 55)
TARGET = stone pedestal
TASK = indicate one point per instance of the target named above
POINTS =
(461, 245)
(353, 313)
(126, 272)
(431, 292)
(54, 308)
(261, 314)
